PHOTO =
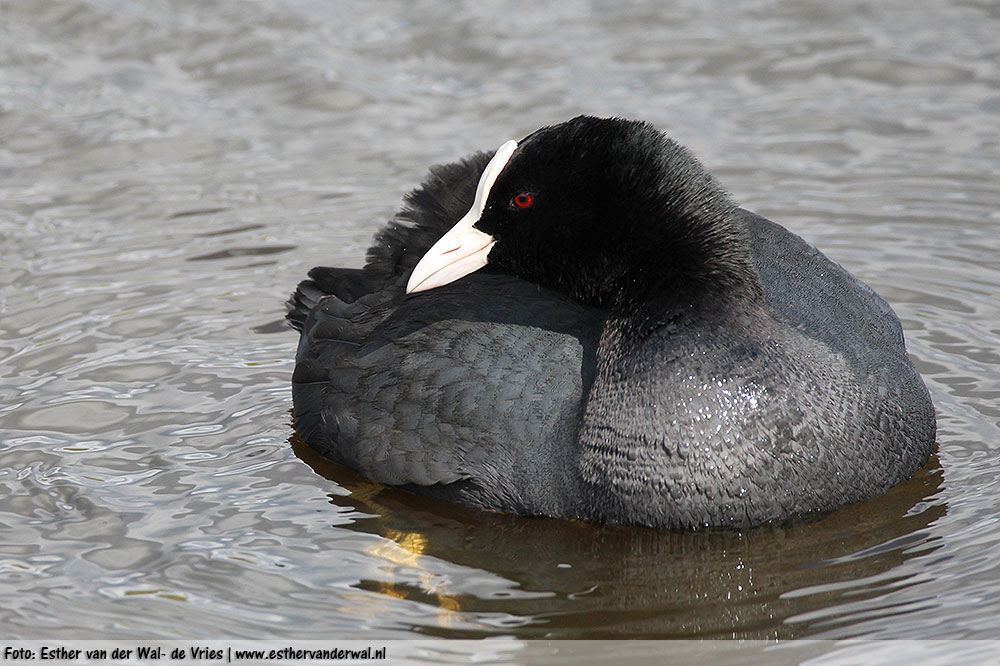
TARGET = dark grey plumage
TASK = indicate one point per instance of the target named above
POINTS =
(718, 371)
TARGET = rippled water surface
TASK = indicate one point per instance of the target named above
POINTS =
(170, 169)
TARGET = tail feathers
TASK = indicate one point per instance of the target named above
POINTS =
(347, 284)
(301, 303)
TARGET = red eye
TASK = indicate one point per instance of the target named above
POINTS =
(522, 200)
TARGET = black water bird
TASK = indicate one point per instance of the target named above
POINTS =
(583, 325)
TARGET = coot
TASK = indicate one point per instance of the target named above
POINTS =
(583, 325)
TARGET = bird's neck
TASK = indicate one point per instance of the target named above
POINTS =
(674, 288)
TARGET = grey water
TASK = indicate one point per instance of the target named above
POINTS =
(169, 169)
